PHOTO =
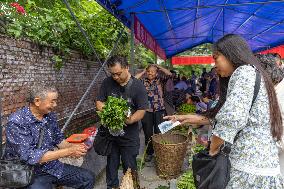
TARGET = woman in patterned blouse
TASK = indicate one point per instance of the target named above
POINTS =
(253, 129)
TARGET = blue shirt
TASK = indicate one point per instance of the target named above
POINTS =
(23, 132)
(181, 85)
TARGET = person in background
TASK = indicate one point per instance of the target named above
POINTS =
(207, 98)
(213, 85)
(203, 72)
(253, 129)
(23, 133)
(204, 81)
(125, 148)
(156, 109)
(268, 62)
(200, 106)
(193, 81)
(170, 86)
(168, 94)
(278, 60)
(182, 85)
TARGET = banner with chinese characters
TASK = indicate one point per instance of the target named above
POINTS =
(142, 35)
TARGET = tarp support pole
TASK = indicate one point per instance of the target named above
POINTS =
(223, 21)
(93, 82)
(210, 6)
(132, 45)
(83, 31)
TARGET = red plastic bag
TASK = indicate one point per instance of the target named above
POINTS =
(90, 130)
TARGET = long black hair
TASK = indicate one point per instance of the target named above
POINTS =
(237, 51)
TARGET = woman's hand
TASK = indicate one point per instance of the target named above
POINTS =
(189, 118)
(175, 118)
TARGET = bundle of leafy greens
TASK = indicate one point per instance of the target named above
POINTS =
(113, 114)
(186, 181)
(187, 108)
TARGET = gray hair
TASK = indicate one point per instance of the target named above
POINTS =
(39, 90)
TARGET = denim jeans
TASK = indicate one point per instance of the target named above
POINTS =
(72, 176)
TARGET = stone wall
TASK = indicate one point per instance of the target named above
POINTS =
(22, 63)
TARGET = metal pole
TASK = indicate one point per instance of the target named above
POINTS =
(93, 82)
(83, 32)
(132, 45)
(1, 130)
(223, 21)
(209, 6)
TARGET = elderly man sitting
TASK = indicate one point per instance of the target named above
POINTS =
(23, 133)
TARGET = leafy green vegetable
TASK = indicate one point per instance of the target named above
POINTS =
(187, 108)
(197, 148)
(165, 142)
(113, 114)
(186, 181)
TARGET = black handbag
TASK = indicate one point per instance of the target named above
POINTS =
(16, 173)
(103, 142)
(213, 172)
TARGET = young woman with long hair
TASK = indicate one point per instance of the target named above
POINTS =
(252, 128)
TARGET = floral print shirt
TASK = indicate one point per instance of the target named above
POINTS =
(155, 94)
(247, 125)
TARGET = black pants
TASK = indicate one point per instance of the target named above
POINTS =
(127, 154)
(150, 124)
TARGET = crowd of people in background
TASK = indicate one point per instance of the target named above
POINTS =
(199, 90)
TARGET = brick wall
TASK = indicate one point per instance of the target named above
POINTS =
(22, 63)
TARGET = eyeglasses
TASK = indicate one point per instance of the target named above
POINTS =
(116, 74)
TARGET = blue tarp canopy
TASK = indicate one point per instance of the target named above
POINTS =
(179, 25)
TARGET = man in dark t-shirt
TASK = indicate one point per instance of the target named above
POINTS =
(125, 147)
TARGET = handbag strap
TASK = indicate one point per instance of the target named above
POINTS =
(256, 87)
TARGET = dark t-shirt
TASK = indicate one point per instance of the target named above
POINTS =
(137, 99)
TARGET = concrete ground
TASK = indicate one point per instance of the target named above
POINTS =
(148, 177)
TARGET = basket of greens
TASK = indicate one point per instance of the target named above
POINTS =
(114, 114)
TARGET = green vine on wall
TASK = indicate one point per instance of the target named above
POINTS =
(58, 62)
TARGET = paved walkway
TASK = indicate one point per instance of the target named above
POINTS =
(148, 177)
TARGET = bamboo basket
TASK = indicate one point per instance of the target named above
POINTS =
(170, 155)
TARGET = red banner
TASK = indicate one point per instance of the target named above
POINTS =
(279, 50)
(191, 60)
(142, 35)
